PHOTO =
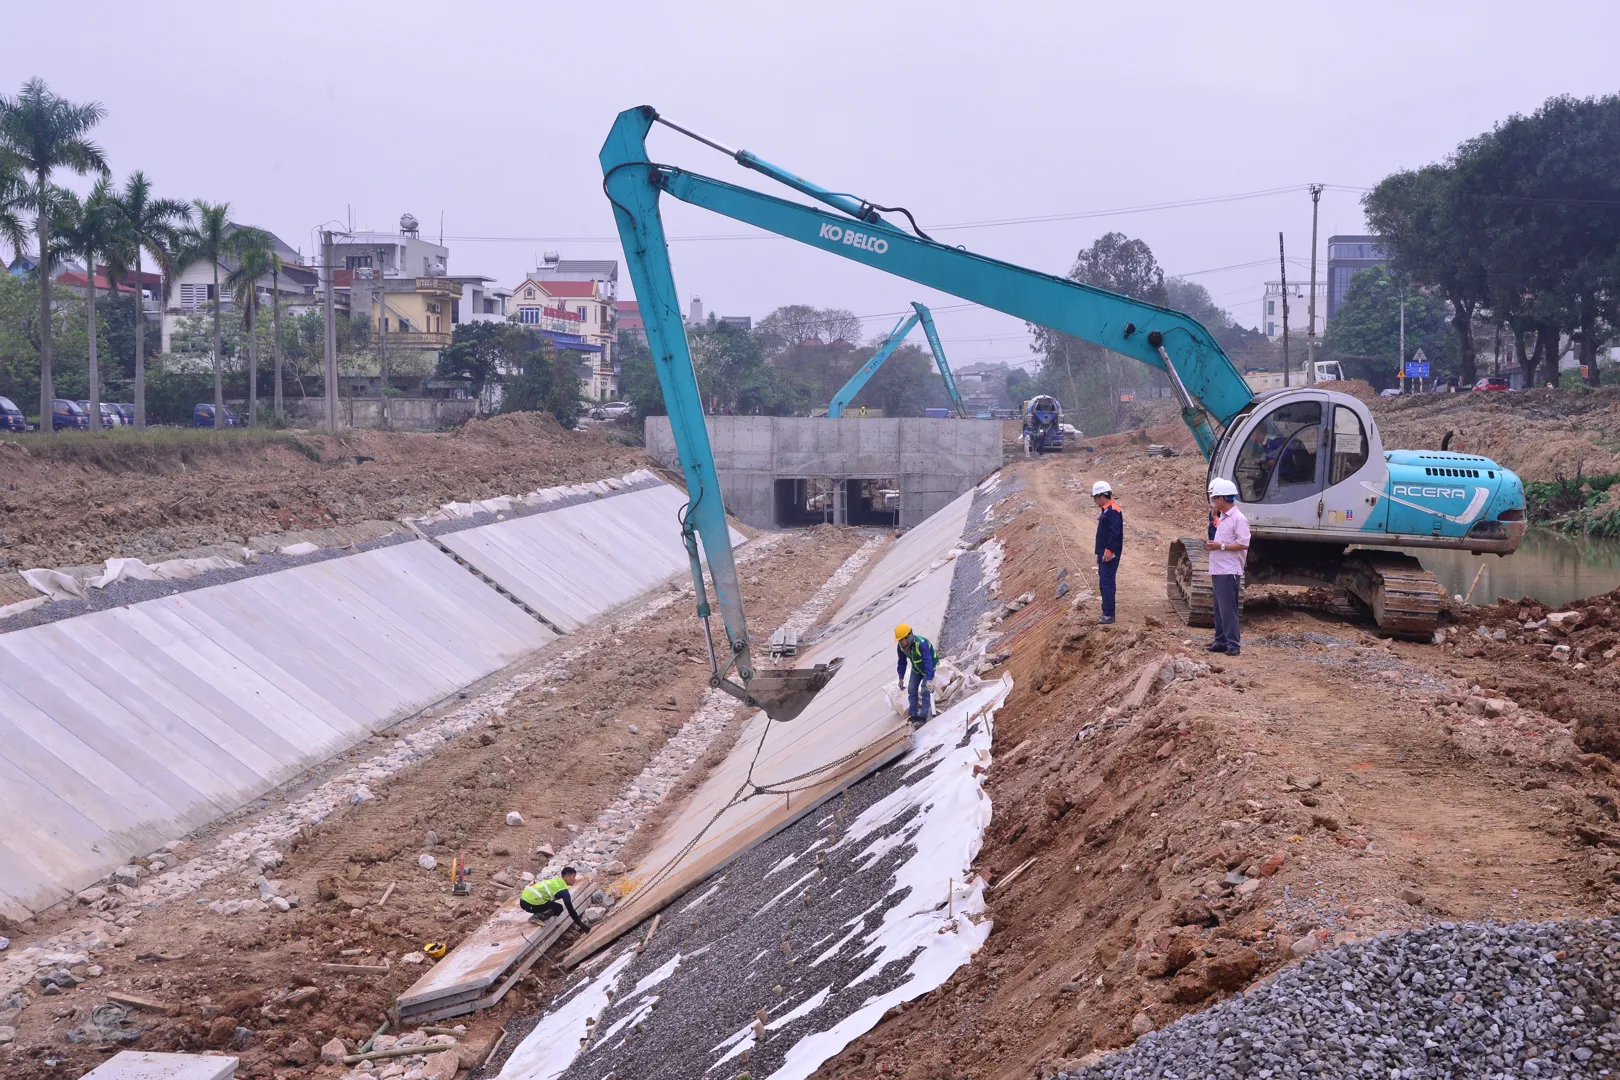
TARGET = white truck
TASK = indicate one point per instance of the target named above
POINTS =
(1326, 371)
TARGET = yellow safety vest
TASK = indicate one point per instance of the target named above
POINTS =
(542, 892)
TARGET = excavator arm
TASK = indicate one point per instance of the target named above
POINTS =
(847, 392)
(1208, 387)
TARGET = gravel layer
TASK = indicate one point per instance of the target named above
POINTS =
(1453, 1000)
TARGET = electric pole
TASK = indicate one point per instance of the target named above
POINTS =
(330, 308)
(1403, 338)
(1282, 265)
(1310, 334)
(382, 359)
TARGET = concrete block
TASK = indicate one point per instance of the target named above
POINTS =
(150, 1065)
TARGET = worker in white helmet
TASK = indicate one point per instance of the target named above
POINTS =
(1228, 550)
(1110, 542)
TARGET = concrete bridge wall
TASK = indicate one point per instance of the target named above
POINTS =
(933, 461)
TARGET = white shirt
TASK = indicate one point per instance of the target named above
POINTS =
(1230, 528)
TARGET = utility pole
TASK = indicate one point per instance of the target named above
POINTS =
(1310, 334)
(1282, 264)
(327, 256)
(1402, 364)
(382, 357)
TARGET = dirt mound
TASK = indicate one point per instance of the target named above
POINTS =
(1540, 434)
(73, 500)
(1357, 388)
(1562, 663)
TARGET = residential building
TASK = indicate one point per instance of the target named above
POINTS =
(1347, 257)
(401, 254)
(579, 316)
(628, 318)
(741, 322)
(480, 301)
(1299, 308)
(192, 290)
(603, 272)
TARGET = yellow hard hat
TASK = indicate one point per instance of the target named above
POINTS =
(902, 631)
(435, 949)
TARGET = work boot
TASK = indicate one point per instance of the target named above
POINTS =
(1233, 651)
(1105, 620)
(1217, 647)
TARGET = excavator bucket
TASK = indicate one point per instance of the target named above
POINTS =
(784, 692)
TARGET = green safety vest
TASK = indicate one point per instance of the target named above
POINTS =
(915, 652)
(543, 892)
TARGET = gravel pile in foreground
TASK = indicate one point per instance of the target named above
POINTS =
(1454, 1000)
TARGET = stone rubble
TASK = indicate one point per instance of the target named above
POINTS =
(1456, 999)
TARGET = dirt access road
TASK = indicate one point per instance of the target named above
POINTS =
(561, 752)
(1354, 785)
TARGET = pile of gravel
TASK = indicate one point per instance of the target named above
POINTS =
(1454, 1000)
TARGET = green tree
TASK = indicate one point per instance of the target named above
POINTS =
(89, 230)
(638, 380)
(255, 260)
(1364, 335)
(545, 381)
(207, 238)
(14, 202)
(41, 133)
(150, 226)
(1087, 378)
(483, 352)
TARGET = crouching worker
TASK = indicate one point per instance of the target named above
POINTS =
(543, 899)
(917, 652)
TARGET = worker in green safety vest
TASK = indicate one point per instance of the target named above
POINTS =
(545, 897)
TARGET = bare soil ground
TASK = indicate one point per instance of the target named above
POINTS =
(1540, 434)
(73, 499)
(1361, 785)
(560, 755)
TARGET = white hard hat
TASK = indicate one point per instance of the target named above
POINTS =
(1101, 488)
(1222, 488)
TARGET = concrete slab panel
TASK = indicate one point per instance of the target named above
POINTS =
(910, 555)
(149, 1065)
(126, 728)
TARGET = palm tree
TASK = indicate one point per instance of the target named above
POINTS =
(149, 225)
(89, 230)
(14, 199)
(254, 259)
(42, 133)
(275, 325)
(208, 238)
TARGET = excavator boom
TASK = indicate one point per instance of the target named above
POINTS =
(1310, 461)
(847, 392)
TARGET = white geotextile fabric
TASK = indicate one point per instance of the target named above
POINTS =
(503, 504)
(169, 570)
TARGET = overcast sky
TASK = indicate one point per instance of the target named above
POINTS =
(304, 113)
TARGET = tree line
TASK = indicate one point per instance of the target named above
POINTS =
(790, 363)
(43, 135)
(1516, 231)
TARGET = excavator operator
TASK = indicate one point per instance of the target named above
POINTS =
(918, 652)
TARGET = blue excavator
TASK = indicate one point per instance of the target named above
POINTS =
(847, 392)
(1327, 504)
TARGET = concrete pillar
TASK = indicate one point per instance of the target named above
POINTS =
(840, 501)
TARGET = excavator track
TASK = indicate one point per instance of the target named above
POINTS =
(1404, 597)
(1186, 582)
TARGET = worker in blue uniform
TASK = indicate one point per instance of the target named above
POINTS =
(917, 653)
(1110, 542)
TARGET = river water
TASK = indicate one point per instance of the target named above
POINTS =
(1548, 566)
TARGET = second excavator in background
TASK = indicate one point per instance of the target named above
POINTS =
(1327, 504)
(847, 392)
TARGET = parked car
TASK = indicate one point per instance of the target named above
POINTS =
(202, 415)
(110, 416)
(67, 414)
(12, 418)
(1492, 382)
(615, 409)
(126, 409)
(1393, 391)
